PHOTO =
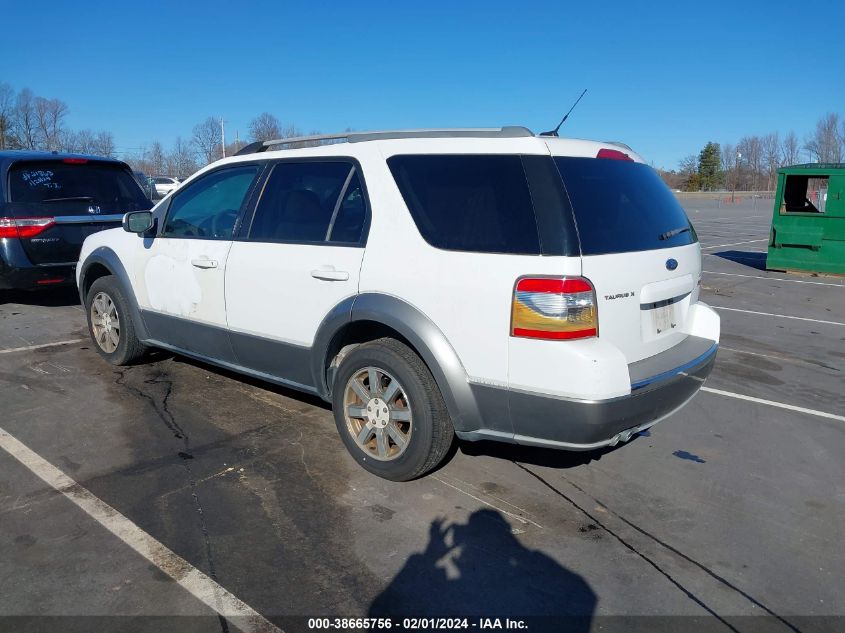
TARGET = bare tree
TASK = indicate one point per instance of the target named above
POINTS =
(689, 164)
(103, 144)
(7, 108)
(207, 136)
(772, 158)
(791, 150)
(25, 125)
(181, 161)
(729, 164)
(265, 127)
(81, 141)
(49, 118)
(157, 159)
(751, 149)
(824, 144)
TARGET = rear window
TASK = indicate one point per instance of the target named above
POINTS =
(106, 185)
(622, 206)
(478, 203)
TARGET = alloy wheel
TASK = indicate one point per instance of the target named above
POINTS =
(105, 322)
(377, 413)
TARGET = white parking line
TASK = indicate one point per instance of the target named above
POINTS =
(735, 243)
(772, 403)
(206, 590)
(31, 347)
(516, 517)
(794, 281)
(780, 316)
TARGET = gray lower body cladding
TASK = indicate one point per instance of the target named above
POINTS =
(567, 423)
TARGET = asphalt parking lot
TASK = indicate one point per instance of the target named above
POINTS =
(733, 507)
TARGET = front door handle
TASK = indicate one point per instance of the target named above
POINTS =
(330, 274)
(204, 263)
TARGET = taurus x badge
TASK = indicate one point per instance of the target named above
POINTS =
(94, 210)
(671, 264)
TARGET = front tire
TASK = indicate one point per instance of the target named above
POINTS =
(110, 322)
(389, 411)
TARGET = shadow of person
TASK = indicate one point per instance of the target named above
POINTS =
(480, 569)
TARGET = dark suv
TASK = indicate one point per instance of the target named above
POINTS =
(49, 204)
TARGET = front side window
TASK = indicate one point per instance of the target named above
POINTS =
(310, 202)
(208, 208)
(479, 203)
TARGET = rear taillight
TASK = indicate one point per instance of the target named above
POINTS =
(24, 227)
(613, 154)
(554, 308)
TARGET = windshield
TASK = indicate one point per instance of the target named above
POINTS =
(622, 206)
(109, 186)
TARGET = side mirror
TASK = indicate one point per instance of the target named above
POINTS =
(138, 222)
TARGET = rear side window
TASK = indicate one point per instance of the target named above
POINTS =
(312, 201)
(621, 206)
(478, 203)
(348, 224)
(109, 186)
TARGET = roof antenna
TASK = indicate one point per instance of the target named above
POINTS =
(565, 116)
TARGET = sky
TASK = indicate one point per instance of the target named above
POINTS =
(663, 77)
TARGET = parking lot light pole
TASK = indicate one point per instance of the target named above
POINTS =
(223, 136)
(736, 173)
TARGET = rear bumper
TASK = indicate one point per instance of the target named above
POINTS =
(18, 273)
(660, 386)
(37, 277)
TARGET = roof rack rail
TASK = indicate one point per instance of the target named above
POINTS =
(511, 131)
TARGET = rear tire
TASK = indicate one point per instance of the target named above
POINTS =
(389, 411)
(110, 323)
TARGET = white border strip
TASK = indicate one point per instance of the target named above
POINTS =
(186, 575)
(780, 316)
(31, 347)
(794, 281)
(772, 403)
(704, 248)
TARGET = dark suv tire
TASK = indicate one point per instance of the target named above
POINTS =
(389, 411)
(110, 323)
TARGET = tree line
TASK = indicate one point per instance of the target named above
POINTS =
(29, 121)
(751, 164)
(206, 145)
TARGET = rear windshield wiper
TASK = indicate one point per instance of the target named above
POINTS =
(673, 233)
(70, 199)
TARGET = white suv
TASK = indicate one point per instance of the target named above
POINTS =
(164, 185)
(489, 284)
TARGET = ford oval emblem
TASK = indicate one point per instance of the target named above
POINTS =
(671, 264)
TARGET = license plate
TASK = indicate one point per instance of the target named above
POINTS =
(664, 319)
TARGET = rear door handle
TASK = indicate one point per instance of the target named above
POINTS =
(330, 274)
(204, 263)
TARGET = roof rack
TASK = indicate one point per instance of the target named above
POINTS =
(511, 131)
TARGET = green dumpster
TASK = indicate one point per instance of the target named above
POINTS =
(808, 223)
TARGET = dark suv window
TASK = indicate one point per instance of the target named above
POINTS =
(209, 206)
(621, 206)
(351, 215)
(65, 185)
(314, 201)
(477, 203)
